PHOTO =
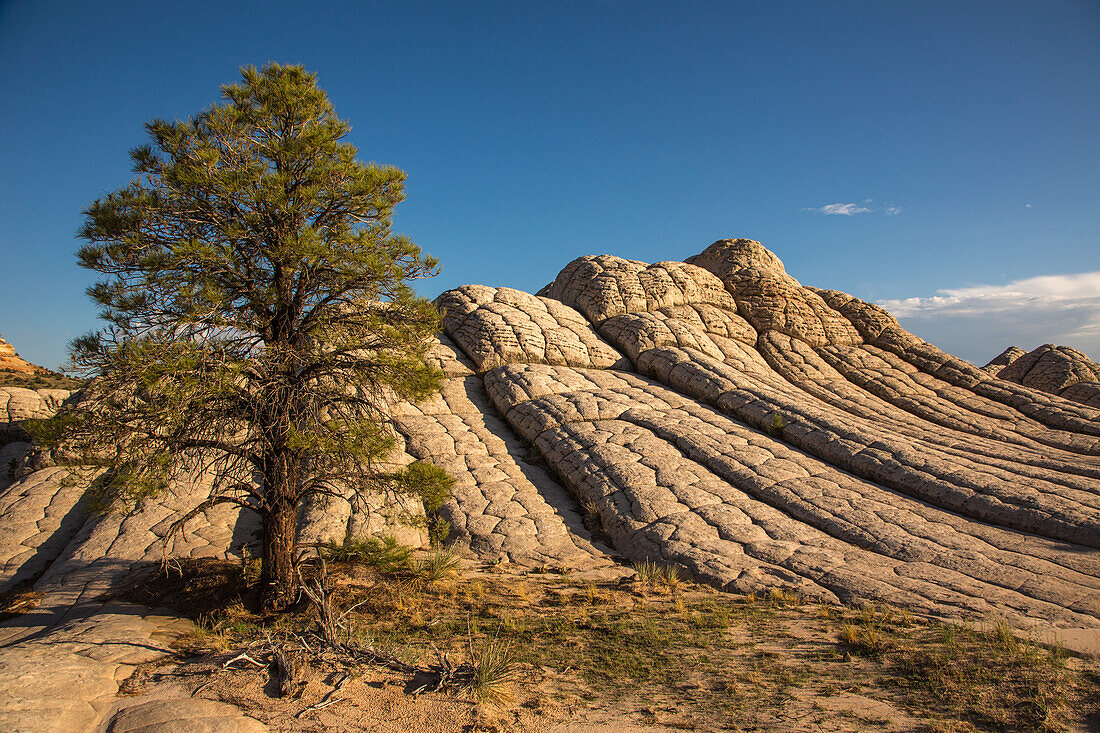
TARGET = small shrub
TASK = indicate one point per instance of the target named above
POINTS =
(438, 529)
(207, 634)
(779, 598)
(849, 634)
(775, 427)
(495, 668)
(18, 600)
(656, 575)
(863, 640)
(437, 565)
(430, 482)
(669, 577)
(250, 567)
(385, 555)
(646, 572)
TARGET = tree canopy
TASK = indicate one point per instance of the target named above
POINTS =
(260, 316)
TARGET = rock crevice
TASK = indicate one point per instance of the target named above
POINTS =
(713, 414)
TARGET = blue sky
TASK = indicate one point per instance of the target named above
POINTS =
(941, 158)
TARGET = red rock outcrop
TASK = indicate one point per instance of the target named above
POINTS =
(11, 361)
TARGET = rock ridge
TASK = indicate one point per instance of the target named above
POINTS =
(713, 414)
(1059, 370)
(11, 361)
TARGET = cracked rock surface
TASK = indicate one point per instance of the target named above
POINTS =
(764, 434)
(19, 403)
(1058, 370)
(713, 414)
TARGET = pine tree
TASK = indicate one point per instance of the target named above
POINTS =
(259, 312)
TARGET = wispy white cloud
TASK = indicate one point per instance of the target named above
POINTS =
(840, 209)
(866, 207)
(977, 322)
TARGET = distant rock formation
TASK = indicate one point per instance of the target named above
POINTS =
(1058, 370)
(11, 361)
(716, 415)
(19, 403)
(1003, 359)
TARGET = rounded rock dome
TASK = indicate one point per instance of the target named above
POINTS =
(727, 256)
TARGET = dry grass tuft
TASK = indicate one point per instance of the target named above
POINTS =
(438, 565)
(656, 576)
(495, 669)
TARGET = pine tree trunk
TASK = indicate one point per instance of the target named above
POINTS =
(278, 580)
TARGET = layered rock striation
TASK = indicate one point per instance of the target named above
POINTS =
(18, 404)
(766, 434)
(713, 414)
(1058, 370)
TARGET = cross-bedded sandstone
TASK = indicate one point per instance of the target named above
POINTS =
(716, 415)
(903, 461)
(1058, 370)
